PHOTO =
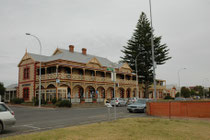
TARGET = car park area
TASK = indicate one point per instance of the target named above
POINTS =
(31, 119)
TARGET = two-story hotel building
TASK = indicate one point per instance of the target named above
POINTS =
(76, 75)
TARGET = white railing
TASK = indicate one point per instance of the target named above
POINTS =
(75, 100)
(100, 100)
(100, 79)
(77, 77)
(89, 78)
(88, 100)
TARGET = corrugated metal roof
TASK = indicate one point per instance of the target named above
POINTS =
(38, 57)
(10, 87)
(74, 56)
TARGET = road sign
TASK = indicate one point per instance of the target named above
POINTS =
(57, 80)
(110, 69)
(113, 76)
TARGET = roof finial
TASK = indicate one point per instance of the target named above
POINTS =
(26, 50)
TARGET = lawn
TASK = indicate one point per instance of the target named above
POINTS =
(127, 129)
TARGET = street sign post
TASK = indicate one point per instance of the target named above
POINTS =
(113, 78)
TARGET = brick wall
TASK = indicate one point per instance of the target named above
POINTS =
(200, 109)
(26, 83)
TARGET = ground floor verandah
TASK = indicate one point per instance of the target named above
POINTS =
(84, 92)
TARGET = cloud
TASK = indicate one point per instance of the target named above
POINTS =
(103, 27)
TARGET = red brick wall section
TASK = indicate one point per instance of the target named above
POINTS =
(200, 109)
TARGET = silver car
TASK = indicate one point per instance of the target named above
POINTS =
(132, 100)
(180, 99)
(118, 102)
(138, 106)
(7, 117)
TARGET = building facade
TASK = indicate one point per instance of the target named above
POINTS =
(76, 75)
(10, 92)
(160, 89)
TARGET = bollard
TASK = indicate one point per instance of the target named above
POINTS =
(108, 105)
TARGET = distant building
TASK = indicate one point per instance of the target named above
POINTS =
(160, 89)
(171, 90)
(10, 93)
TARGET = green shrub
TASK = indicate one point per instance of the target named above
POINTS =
(17, 100)
(82, 99)
(54, 100)
(63, 103)
(36, 101)
(43, 102)
(168, 97)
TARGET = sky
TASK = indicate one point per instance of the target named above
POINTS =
(104, 27)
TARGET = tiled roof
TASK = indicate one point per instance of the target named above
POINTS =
(75, 57)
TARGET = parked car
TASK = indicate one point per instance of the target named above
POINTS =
(188, 99)
(138, 106)
(197, 97)
(7, 117)
(118, 102)
(180, 99)
(132, 100)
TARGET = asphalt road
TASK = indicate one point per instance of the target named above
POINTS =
(31, 119)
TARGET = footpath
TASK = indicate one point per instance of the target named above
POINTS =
(84, 105)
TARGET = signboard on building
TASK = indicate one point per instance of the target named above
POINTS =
(57, 80)
(25, 85)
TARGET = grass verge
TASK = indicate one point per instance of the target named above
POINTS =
(127, 129)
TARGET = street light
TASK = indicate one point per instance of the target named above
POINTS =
(153, 55)
(137, 88)
(39, 68)
(179, 80)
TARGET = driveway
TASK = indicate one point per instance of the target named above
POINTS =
(31, 119)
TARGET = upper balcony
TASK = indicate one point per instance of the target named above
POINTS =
(80, 74)
(160, 85)
(78, 77)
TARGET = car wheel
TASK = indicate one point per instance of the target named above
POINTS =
(130, 111)
(1, 127)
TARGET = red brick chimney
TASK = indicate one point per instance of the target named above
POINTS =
(84, 51)
(71, 48)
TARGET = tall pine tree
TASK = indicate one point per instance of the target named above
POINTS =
(140, 44)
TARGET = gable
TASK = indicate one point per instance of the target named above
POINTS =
(57, 51)
(94, 63)
(26, 59)
(125, 68)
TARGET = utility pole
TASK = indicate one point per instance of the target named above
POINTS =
(179, 80)
(40, 72)
(137, 88)
(153, 53)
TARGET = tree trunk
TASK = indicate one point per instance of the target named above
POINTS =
(146, 90)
